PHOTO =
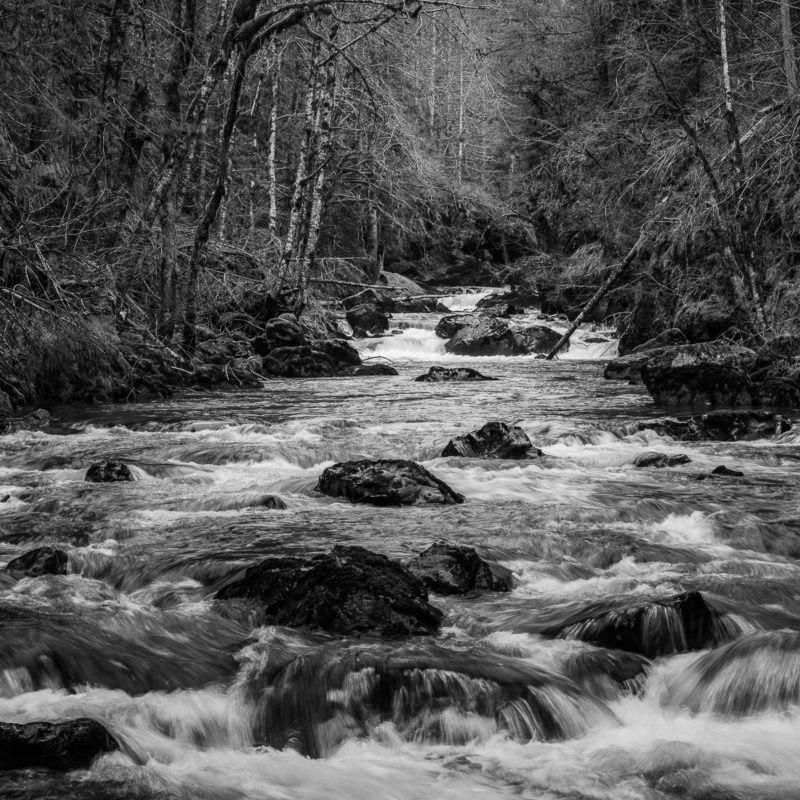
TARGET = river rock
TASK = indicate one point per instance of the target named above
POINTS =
(282, 331)
(452, 375)
(109, 472)
(348, 592)
(655, 459)
(629, 367)
(340, 351)
(657, 628)
(299, 362)
(484, 336)
(723, 426)
(727, 472)
(420, 305)
(493, 440)
(382, 301)
(712, 372)
(375, 369)
(59, 746)
(41, 561)
(367, 320)
(513, 302)
(452, 569)
(386, 482)
(539, 339)
(450, 325)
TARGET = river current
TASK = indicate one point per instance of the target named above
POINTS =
(132, 637)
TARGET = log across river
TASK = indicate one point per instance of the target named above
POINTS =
(510, 698)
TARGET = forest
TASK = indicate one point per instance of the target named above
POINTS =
(399, 399)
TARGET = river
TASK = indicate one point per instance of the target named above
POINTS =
(132, 637)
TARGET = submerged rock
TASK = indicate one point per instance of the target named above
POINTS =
(41, 561)
(109, 472)
(386, 482)
(713, 372)
(452, 375)
(451, 569)
(493, 440)
(727, 472)
(366, 320)
(349, 592)
(53, 745)
(375, 369)
(484, 336)
(274, 502)
(660, 627)
(628, 368)
(654, 459)
(723, 426)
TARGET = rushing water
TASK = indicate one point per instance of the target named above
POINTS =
(207, 707)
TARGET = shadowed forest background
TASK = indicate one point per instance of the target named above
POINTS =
(175, 172)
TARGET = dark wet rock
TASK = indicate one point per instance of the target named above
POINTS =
(375, 369)
(367, 320)
(349, 592)
(452, 375)
(41, 561)
(386, 482)
(420, 305)
(299, 362)
(538, 339)
(109, 472)
(660, 627)
(596, 340)
(655, 459)
(505, 303)
(34, 421)
(628, 368)
(282, 331)
(380, 300)
(451, 569)
(450, 325)
(274, 502)
(59, 746)
(604, 673)
(712, 372)
(340, 351)
(706, 320)
(671, 337)
(484, 336)
(727, 472)
(723, 426)
(493, 440)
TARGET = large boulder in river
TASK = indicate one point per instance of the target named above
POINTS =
(375, 369)
(386, 482)
(109, 472)
(419, 305)
(451, 569)
(451, 324)
(711, 372)
(484, 336)
(59, 746)
(41, 561)
(675, 624)
(628, 368)
(652, 458)
(366, 320)
(348, 592)
(493, 440)
(452, 375)
(340, 351)
(282, 331)
(299, 362)
(721, 426)
(538, 339)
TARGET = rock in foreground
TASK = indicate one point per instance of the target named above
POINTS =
(661, 627)
(109, 472)
(484, 336)
(41, 561)
(493, 440)
(452, 375)
(450, 569)
(375, 369)
(349, 592)
(60, 746)
(721, 426)
(386, 482)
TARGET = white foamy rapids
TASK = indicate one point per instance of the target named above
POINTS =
(468, 301)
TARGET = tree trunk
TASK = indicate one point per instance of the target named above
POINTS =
(272, 145)
(608, 284)
(203, 229)
(789, 53)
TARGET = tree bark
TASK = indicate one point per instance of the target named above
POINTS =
(789, 53)
(272, 190)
